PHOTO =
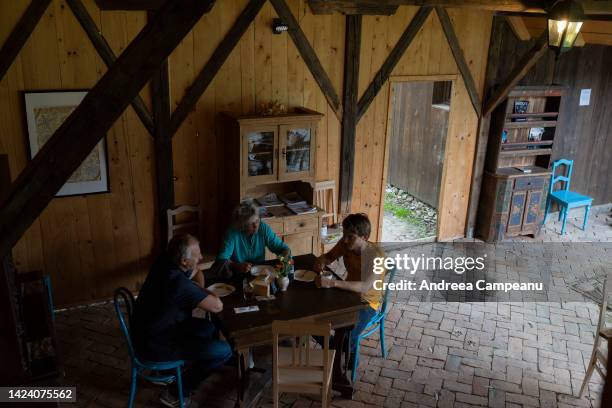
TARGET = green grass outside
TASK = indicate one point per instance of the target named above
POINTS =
(402, 213)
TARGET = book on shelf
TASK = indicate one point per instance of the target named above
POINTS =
(302, 208)
(269, 200)
(279, 211)
(293, 198)
(520, 107)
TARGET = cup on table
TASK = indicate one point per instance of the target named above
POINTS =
(326, 275)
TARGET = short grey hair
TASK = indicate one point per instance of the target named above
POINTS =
(243, 214)
(179, 247)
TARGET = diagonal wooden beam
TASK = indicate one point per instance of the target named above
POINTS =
(108, 56)
(21, 33)
(216, 60)
(86, 126)
(392, 59)
(518, 27)
(453, 41)
(309, 56)
(518, 72)
(349, 117)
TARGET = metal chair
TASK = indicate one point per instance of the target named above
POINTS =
(138, 365)
(566, 199)
(376, 323)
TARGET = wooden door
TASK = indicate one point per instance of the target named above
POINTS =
(297, 151)
(259, 154)
(515, 217)
(531, 217)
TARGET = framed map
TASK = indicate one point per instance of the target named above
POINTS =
(45, 112)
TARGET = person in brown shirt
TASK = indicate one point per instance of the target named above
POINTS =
(358, 255)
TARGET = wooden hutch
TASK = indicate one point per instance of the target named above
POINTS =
(272, 154)
(515, 183)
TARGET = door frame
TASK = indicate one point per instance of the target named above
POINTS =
(412, 78)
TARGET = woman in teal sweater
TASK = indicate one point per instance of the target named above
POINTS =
(246, 240)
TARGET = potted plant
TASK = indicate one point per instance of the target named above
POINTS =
(283, 266)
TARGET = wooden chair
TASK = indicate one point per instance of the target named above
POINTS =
(600, 353)
(299, 368)
(566, 199)
(325, 198)
(192, 225)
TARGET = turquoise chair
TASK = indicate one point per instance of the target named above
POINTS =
(566, 199)
(377, 323)
(138, 366)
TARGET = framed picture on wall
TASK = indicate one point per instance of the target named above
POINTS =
(45, 112)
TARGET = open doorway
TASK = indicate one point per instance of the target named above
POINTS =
(418, 128)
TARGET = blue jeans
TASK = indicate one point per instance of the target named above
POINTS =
(206, 352)
(365, 315)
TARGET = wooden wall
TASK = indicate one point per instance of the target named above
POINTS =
(92, 244)
(428, 58)
(583, 134)
(416, 148)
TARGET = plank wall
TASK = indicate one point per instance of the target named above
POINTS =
(92, 244)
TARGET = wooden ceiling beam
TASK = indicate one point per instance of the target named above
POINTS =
(21, 33)
(355, 7)
(309, 56)
(529, 6)
(518, 72)
(214, 63)
(108, 56)
(518, 27)
(149, 5)
(392, 59)
(62, 154)
(466, 74)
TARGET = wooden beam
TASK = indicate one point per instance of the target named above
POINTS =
(355, 7)
(518, 72)
(214, 63)
(108, 56)
(309, 56)
(530, 6)
(21, 32)
(392, 59)
(517, 24)
(60, 156)
(349, 117)
(164, 167)
(129, 4)
(453, 41)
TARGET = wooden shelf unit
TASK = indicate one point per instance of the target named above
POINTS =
(272, 154)
(512, 201)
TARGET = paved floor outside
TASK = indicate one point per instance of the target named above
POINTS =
(440, 354)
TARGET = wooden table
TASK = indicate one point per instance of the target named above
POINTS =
(303, 301)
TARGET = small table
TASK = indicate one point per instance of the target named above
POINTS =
(303, 301)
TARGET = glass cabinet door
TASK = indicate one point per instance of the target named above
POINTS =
(297, 151)
(260, 159)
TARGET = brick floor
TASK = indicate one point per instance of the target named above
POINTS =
(439, 354)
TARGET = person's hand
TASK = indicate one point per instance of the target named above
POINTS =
(244, 267)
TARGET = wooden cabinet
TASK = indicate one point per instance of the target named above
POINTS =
(272, 154)
(515, 184)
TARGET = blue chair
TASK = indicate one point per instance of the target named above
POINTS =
(566, 199)
(138, 366)
(377, 323)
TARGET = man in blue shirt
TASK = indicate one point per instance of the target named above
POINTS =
(246, 240)
(163, 327)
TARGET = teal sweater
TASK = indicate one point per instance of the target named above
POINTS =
(239, 247)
